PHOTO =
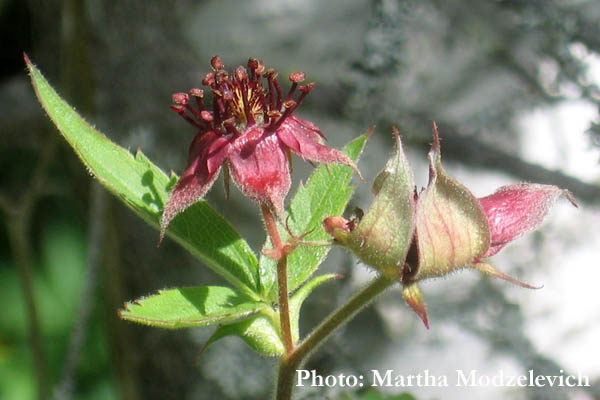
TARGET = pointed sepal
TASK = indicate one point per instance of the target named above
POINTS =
(383, 236)
(412, 295)
(493, 271)
(451, 227)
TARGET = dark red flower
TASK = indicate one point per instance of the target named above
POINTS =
(250, 130)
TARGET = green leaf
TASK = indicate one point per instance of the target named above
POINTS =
(259, 332)
(189, 307)
(296, 301)
(145, 188)
(326, 193)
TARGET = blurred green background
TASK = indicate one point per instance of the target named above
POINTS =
(512, 84)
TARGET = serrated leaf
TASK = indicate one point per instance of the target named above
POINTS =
(190, 307)
(143, 187)
(258, 332)
(296, 301)
(326, 193)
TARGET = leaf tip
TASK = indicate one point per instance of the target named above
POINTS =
(26, 59)
(121, 313)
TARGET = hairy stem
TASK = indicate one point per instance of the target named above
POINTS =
(284, 309)
(289, 365)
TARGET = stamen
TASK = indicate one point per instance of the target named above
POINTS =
(209, 79)
(274, 87)
(289, 106)
(257, 89)
(305, 90)
(218, 107)
(241, 74)
(229, 125)
(221, 78)
(216, 63)
(270, 99)
(180, 98)
(295, 78)
(181, 109)
(206, 116)
(198, 94)
(242, 79)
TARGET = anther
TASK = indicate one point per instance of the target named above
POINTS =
(195, 92)
(209, 79)
(216, 63)
(241, 74)
(297, 77)
(180, 98)
(206, 116)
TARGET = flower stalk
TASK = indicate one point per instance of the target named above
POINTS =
(292, 361)
(282, 287)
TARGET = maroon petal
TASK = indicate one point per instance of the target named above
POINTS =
(260, 167)
(304, 139)
(517, 209)
(207, 154)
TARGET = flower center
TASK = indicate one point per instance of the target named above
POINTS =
(251, 97)
(239, 100)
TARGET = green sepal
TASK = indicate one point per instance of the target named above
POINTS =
(451, 227)
(143, 187)
(384, 235)
(495, 272)
(257, 331)
(412, 295)
(296, 301)
(191, 307)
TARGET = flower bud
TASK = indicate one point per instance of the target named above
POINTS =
(451, 229)
(445, 228)
(384, 234)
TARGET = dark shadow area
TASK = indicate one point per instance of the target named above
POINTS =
(152, 197)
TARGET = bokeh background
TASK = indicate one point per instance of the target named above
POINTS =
(513, 85)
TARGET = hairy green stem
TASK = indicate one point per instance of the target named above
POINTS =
(284, 308)
(289, 365)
